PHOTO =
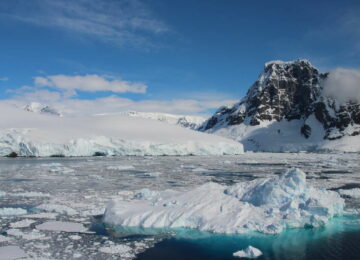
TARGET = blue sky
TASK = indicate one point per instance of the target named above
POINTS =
(178, 56)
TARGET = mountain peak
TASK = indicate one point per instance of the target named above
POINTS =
(287, 91)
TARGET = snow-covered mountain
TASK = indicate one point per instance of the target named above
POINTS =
(36, 107)
(36, 134)
(286, 110)
(192, 122)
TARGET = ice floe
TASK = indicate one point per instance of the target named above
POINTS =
(62, 226)
(265, 205)
(11, 252)
(120, 167)
(22, 223)
(12, 211)
(58, 208)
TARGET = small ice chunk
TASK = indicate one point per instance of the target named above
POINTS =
(32, 235)
(153, 174)
(4, 238)
(22, 223)
(2, 193)
(199, 169)
(75, 237)
(41, 215)
(11, 252)
(30, 194)
(62, 226)
(249, 252)
(6, 212)
(58, 208)
(146, 194)
(120, 167)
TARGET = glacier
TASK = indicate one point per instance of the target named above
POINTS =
(266, 205)
(33, 134)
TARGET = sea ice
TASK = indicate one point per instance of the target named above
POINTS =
(12, 211)
(58, 208)
(352, 193)
(123, 250)
(152, 174)
(62, 226)
(249, 252)
(265, 205)
(4, 239)
(120, 167)
(22, 223)
(11, 252)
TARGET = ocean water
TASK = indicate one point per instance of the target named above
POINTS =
(339, 239)
(87, 184)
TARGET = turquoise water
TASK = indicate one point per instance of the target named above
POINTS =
(339, 239)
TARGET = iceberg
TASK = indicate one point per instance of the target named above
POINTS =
(264, 205)
(249, 252)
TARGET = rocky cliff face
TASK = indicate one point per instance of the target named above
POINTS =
(290, 91)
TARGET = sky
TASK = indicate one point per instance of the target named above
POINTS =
(174, 56)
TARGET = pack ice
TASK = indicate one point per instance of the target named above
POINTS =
(263, 205)
(33, 134)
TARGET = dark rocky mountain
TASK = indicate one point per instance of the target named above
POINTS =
(290, 91)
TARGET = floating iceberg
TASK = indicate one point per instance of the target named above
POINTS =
(263, 205)
(249, 252)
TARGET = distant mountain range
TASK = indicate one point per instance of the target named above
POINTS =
(286, 110)
(36, 107)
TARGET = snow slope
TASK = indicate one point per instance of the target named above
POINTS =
(192, 122)
(263, 205)
(32, 134)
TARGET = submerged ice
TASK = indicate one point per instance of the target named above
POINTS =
(265, 205)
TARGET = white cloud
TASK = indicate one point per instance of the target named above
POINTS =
(4, 78)
(113, 104)
(119, 22)
(343, 84)
(90, 83)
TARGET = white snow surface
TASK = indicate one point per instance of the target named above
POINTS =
(284, 136)
(249, 252)
(192, 122)
(32, 134)
(265, 205)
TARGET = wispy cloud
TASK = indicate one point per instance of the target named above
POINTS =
(343, 84)
(4, 78)
(119, 22)
(112, 104)
(89, 83)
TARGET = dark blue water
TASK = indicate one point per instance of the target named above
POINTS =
(340, 239)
